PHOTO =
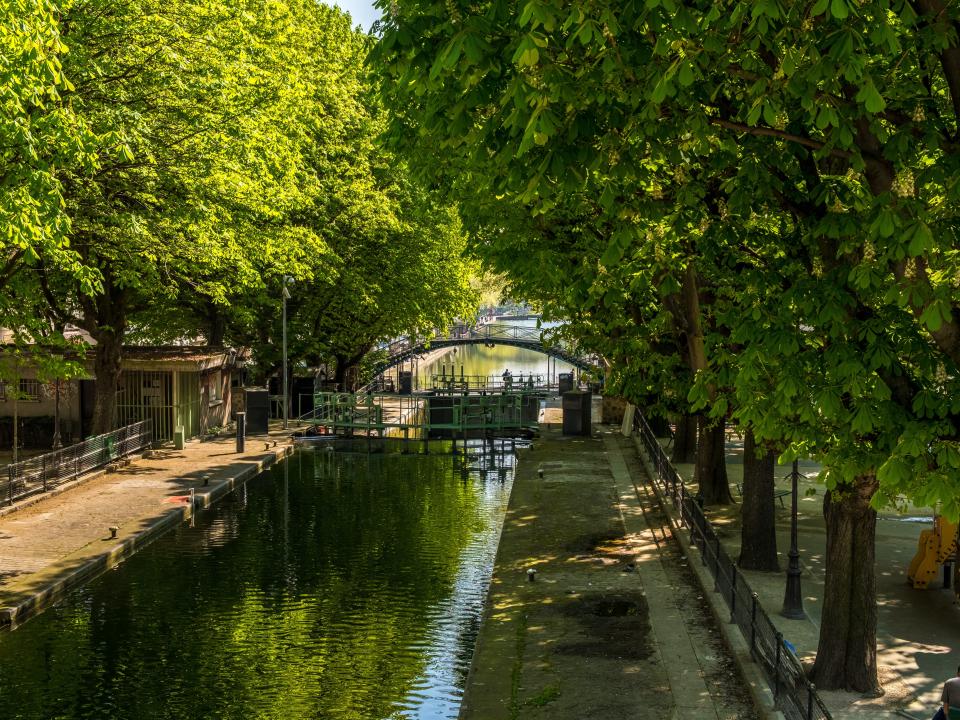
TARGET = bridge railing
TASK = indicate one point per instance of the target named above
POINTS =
(494, 331)
(489, 382)
(506, 332)
(404, 348)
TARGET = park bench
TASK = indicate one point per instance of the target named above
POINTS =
(777, 494)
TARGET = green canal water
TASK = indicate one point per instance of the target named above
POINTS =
(342, 586)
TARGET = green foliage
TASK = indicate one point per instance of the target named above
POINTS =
(803, 165)
(166, 173)
(392, 259)
(39, 133)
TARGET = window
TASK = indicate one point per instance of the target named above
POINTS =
(30, 390)
(215, 386)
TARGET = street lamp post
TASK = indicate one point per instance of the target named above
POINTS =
(792, 596)
(56, 415)
(286, 404)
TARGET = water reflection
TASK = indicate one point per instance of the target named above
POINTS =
(336, 586)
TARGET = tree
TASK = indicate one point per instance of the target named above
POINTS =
(196, 168)
(39, 133)
(817, 148)
(391, 260)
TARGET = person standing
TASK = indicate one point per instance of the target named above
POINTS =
(950, 697)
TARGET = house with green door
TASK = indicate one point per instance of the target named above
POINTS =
(175, 386)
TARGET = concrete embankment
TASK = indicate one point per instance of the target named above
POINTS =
(613, 624)
(57, 542)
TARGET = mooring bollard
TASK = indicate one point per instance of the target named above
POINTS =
(241, 430)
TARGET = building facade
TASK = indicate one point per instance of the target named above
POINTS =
(175, 386)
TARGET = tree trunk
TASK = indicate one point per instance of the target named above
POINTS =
(685, 440)
(758, 530)
(106, 370)
(217, 328)
(711, 469)
(847, 652)
(340, 373)
(658, 424)
(105, 318)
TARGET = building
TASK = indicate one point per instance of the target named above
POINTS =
(175, 386)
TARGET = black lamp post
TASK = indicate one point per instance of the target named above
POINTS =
(286, 395)
(793, 597)
(56, 416)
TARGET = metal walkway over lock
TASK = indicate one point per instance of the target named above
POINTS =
(422, 416)
(528, 338)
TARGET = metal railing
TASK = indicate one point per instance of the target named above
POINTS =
(795, 696)
(45, 472)
(490, 383)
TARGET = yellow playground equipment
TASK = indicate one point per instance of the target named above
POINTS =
(934, 548)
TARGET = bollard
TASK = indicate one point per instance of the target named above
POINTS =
(241, 430)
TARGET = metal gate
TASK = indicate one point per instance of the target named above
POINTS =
(143, 395)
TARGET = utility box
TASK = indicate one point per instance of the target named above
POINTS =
(529, 409)
(179, 437)
(258, 411)
(406, 382)
(577, 405)
(302, 389)
(565, 381)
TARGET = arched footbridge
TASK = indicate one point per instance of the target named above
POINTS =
(489, 334)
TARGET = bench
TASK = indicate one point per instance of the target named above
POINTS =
(777, 494)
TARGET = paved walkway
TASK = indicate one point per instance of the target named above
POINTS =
(59, 541)
(918, 644)
(614, 625)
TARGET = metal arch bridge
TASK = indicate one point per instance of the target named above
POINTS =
(488, 334)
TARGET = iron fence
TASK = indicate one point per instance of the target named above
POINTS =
(795, 696)
(45, 472)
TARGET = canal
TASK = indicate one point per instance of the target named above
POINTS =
(335, 585)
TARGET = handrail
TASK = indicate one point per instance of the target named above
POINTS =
(795, 696)
(45, 472)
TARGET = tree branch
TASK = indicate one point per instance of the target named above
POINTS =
(780, 135)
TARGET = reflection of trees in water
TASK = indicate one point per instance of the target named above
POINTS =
(313, 599)
(489, 361)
